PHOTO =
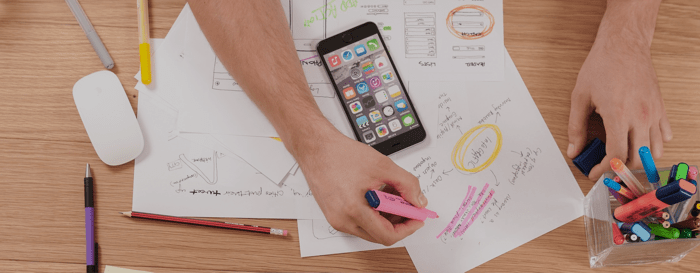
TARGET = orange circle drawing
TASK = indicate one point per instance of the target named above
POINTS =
(469, 17)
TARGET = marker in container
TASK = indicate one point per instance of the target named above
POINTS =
(686, 233)
(623, 200)
(626, 175)
(619, 188)
(692, 223)
(639, 229)
(695, 211)
(396, 205)
(692, 173)
(649, 203)
(671, 175)
(632, 238)
(670, 233)
(618, 238)
(649, 166)
(681, 171)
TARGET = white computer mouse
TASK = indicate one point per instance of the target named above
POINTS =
(108, 118)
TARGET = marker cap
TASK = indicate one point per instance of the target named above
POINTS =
(675, 192)
(612, 184)
(649, 166)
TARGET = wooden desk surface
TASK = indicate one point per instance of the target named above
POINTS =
(44, 147)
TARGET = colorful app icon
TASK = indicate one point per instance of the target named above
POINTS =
(334, 61)
(356, 107)
(382, 131)
(362, 122)
(360, 50)
(368, 102)
(380, 62)
(375, 82)
(388, 76)
(375, 116)
(400, 105)
(362, 87)
(347, 55)
(388, 110)
(355, 73)
(394, 91)
(395, 125)
(381, 96)
(407, 120)
(368, 68)
(372, 44)
(369, 136)
(349, 93)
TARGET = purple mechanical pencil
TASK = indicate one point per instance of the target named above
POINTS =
(90, 244)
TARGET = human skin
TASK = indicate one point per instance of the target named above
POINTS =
(618, 81)
(253, 41)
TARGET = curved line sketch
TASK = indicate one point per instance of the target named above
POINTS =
(460, 149)
(325, 230)
(465, 21)
(215, 175)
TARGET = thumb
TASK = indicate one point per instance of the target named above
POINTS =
(406, 184)
(581, 110)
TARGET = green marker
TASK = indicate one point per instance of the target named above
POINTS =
(682, 171)
(686, 233)
(664, 178)
(659, 230)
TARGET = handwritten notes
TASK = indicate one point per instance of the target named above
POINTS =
(494, 171)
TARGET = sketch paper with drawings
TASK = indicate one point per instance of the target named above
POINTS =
(493, 173)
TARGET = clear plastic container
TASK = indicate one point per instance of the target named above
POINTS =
(598, 207)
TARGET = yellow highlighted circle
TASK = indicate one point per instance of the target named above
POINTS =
(460, 149)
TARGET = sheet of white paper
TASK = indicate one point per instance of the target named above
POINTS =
(492, 146)
(317, 237)
(268, 156)
(174, 176)
(468, 47)
(212, 108)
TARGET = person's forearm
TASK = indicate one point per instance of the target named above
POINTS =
(253, 41)
(631, 20)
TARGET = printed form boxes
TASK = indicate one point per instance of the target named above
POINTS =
(598, 207)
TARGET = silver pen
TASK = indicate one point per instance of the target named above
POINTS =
(84, 23)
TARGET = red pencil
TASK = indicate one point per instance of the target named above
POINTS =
(267, 230)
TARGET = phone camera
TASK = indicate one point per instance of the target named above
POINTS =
(347, 38)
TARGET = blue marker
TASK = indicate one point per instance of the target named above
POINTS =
(638, 228)
(649, 166)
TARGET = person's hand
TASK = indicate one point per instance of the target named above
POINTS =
(618, 81)
(341, 170)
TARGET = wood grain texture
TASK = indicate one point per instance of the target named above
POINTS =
(44, 147)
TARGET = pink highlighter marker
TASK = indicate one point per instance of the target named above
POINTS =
(693, 173)
(396, 205)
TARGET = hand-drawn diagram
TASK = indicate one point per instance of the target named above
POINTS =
(478, 151)
(211, 180)
(420, 35)
(470, 22)
(306, 36)
(323, 230)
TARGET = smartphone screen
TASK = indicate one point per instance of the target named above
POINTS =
(371, 92)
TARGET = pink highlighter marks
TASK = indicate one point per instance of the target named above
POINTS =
(396, 205)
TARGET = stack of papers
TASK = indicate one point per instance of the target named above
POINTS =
(210, 152)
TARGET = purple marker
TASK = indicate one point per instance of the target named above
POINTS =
(90, 244)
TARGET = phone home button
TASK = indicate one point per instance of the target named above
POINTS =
(347, 37)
